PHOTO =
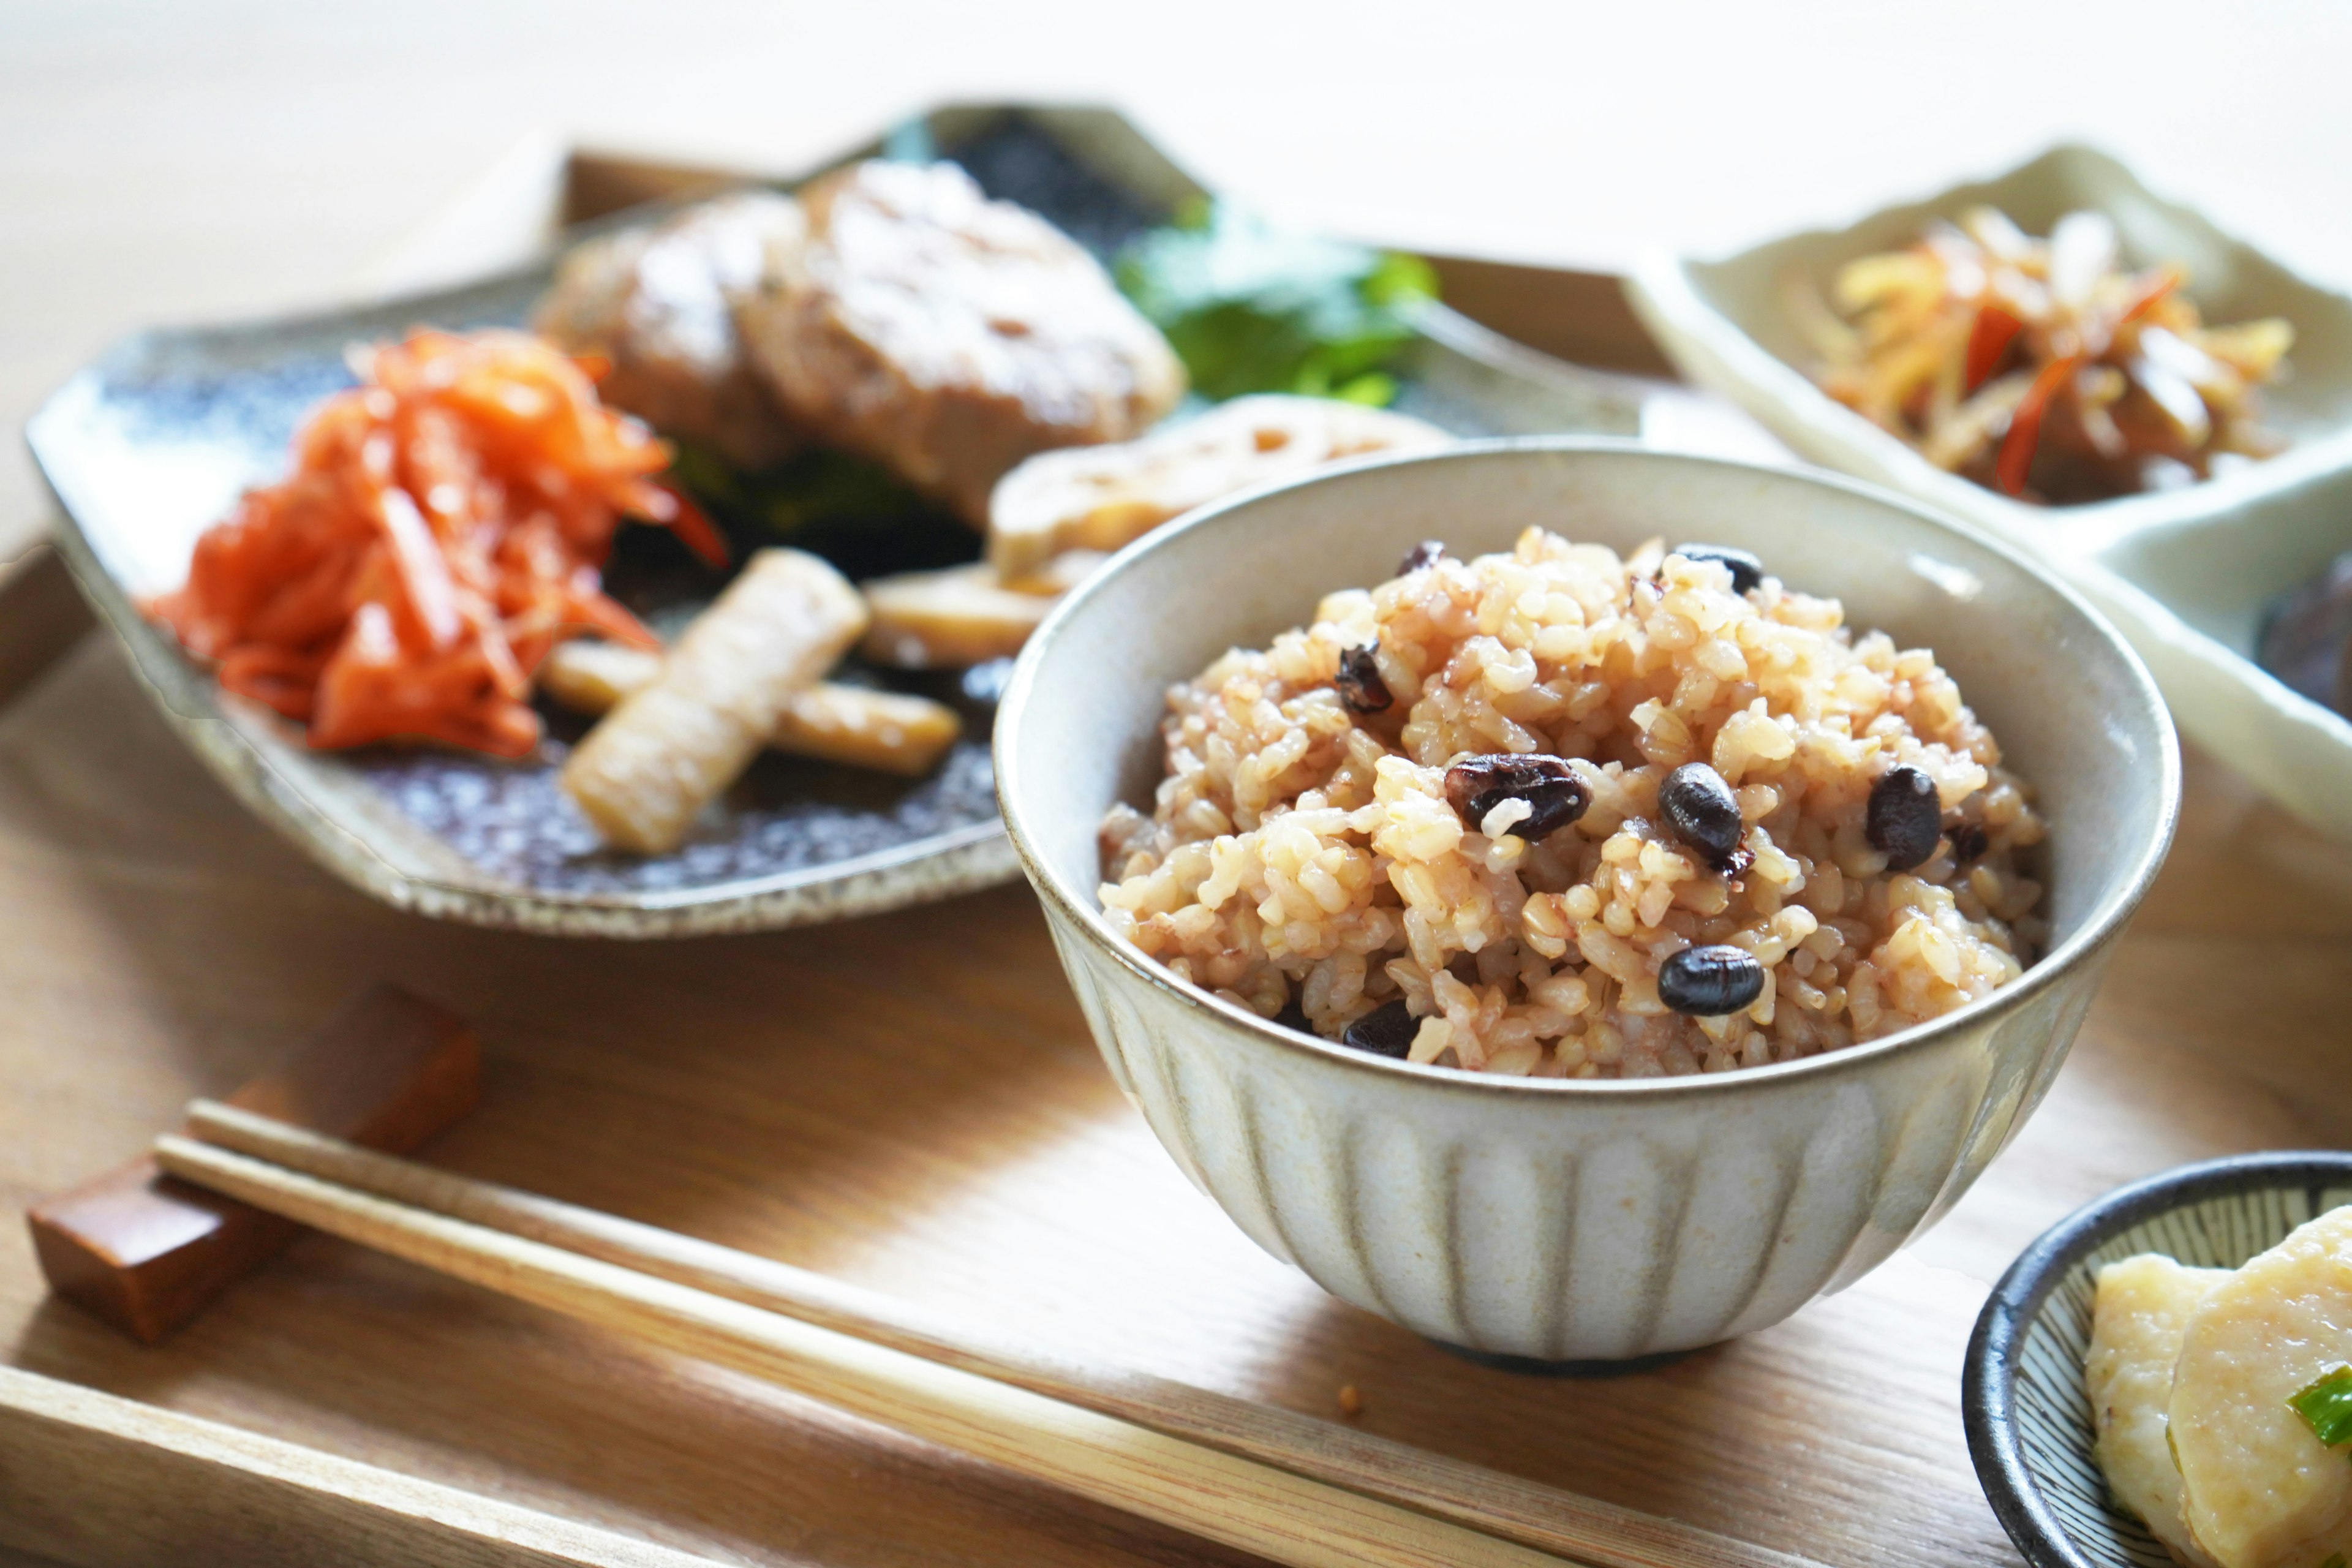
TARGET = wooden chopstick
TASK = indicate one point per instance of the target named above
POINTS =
(1541, 1517)
(1215, 1494)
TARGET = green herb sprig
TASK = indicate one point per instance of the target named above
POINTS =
(1251, 308)
(2327, 1408)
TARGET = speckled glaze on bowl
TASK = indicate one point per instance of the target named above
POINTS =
(1591, 1220)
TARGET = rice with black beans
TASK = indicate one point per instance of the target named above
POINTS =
(1302, 852)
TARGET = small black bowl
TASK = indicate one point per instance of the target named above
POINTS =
(2023, 1400)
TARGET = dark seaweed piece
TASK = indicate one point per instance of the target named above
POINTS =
(1700, 809)
(1707, 982)
(1385, 1031)
(1747, 571)
(1906, 817)
(1476, 786)
(1015, 160)
(1359, 683)
(850, 512)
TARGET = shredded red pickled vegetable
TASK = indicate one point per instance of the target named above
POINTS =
(446, 524)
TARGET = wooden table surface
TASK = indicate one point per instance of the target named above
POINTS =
(912, 1102)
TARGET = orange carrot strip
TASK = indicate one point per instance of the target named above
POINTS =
(2024, 436)
(1995, 329)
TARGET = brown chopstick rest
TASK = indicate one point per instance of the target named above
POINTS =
(146, 1252)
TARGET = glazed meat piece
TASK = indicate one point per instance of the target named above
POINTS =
(950, 336)
(657, 302)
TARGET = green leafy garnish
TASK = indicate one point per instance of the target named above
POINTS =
(1250, 308)
(855, 514)
(2336, 1561)
(2326, 1407)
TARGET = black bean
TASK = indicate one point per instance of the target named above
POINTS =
(1747, 571)
(1710, 981)
(1293, 1017)
(1476, 786)
(1359, 683)
(1385, 1031)
(1428, 552)
(1701, 811)
(1906, 817)
(1970, 842)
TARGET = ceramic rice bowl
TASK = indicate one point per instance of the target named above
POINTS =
(1598, 1219)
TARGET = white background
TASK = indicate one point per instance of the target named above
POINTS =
(216, 158)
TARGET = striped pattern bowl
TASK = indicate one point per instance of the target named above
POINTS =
(2029, 1418)
(1558, 1219)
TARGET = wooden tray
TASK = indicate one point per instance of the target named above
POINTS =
(911, 1101)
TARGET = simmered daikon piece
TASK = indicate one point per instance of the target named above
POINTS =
(943, 620)
(890, 731)
(2259, 1487)
(2142, 1310)
(643, 775)
(1102, 497)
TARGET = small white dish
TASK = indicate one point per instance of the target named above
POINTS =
(1568, 1219)
(2183, 572)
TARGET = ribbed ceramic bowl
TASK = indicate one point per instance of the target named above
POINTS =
(1582, 1220)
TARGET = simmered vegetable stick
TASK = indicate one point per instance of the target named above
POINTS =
(669, 748)
(886, 731)
(936, 620)
(1059, 575)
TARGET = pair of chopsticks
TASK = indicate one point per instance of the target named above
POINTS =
(1258, 1478)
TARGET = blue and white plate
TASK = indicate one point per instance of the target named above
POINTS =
(2028, 1415)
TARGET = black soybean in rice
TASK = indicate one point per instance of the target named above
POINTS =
(1906, 817)
(1359, 683)
(1554, 795)
(1747, 571)
(1385, 1031)
(1707, 982)
(1428, 552)
(1700, 809)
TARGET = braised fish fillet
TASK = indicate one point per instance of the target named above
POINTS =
(948, 336)
(659, 303)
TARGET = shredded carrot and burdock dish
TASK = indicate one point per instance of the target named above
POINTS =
(444, 524)
(2042, 368)
(1559, 814)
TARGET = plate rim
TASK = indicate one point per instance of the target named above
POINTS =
(963, 859)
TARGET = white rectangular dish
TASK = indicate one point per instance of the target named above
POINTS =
(2184, 573)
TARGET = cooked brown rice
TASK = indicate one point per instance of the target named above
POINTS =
(1300, 854)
